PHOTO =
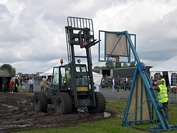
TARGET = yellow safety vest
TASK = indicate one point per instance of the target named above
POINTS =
(163, 82)
(64, 81)
(162, 95)
(68, 75)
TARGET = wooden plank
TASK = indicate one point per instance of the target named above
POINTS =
(136, 99)
(132, 104)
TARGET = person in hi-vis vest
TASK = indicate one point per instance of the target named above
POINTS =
(160, 77)
(162, 94)
(68, 78)
(64, 81)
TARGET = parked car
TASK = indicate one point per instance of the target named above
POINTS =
(106, 82)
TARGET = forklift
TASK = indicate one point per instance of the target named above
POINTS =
(72, 84)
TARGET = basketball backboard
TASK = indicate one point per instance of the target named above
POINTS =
(115, 46)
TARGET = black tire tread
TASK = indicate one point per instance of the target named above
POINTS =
(67, 103)
(43, 102)
(100, 104)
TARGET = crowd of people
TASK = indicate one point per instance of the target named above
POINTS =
(121, 83)
(13, 84)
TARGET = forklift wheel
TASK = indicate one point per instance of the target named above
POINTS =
(40, 102)
(62, 103)
(100, 104)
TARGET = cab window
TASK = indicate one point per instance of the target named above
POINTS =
(55, 76)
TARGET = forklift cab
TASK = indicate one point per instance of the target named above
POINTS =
(64, 79)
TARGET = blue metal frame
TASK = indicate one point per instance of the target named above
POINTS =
(151, 97)
(150, 94)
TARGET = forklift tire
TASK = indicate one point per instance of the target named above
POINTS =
(63, 103)
(100, 104)
(40, 102)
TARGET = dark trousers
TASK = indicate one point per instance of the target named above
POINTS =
(165, 105)
(4, 87)
(16, 88)
(42, 88)
(30, 88)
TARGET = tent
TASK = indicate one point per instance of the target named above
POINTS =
(169, 66)
(96, 76)
(47, 73)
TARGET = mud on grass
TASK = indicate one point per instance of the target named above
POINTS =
(16, 114)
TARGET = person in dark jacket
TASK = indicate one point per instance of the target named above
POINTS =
(16, 85)
(4, 84)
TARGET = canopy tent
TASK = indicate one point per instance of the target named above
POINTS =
(169, 66)
(96, 76)
(47, 73)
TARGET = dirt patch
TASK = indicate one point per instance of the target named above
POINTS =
(16, 114)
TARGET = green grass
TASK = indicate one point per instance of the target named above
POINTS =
(108, 125)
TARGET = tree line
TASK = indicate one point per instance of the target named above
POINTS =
(9, 68)
(111, 65)
(108, 65)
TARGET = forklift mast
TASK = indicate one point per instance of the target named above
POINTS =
(79, 32)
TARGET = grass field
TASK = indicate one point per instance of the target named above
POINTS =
(109, 125)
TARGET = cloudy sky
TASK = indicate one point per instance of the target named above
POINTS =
(32, 33)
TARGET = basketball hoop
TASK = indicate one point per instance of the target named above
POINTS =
(117, 59)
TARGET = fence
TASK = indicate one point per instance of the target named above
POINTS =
(121, 94)
(108, 93)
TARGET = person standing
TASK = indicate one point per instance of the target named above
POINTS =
(11, 86)
(4, 84)
(23, 84)
(64, 81)
(50, 80)
(46, 86)
(42, 84)
(30, 82)
(125, 83)
(118, 83)
(160, 77)
(162, 94)
(16, 85)
(113, 84)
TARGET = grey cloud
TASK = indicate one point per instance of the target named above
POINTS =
(158, 41)
(3, 10)
(36, 36)
(11, 29)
